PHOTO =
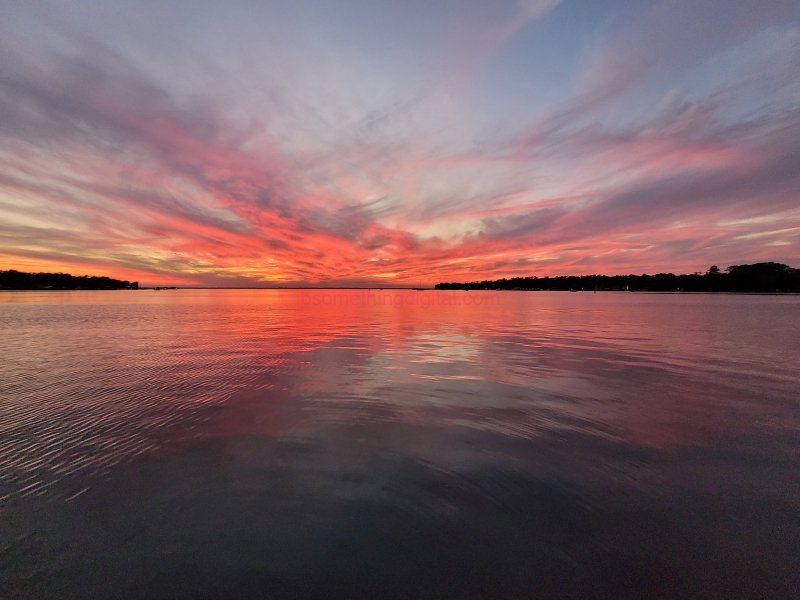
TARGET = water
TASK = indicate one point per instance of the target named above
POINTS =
(401, 444)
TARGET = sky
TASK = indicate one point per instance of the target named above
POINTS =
(372, 142)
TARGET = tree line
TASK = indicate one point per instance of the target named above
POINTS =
(18, 280)
(766, 277)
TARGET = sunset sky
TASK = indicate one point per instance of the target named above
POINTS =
(361, 142)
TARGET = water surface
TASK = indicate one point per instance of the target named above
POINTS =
(398, 444)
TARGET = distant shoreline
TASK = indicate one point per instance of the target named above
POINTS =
(14, 280)
(767, 277)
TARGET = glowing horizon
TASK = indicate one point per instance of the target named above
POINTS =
(371, 143)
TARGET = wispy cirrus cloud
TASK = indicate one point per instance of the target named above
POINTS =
(298, 156)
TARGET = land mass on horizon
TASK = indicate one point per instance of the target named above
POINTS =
(18, 280)
(766, 277)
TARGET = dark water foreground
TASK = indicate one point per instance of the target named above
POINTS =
(287, 444)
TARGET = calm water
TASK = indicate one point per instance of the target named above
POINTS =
(290, 444)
